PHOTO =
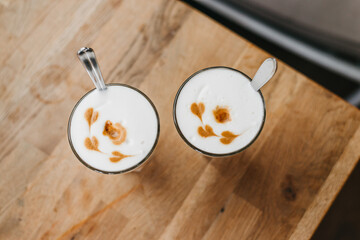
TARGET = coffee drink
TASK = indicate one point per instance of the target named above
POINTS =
(217, 112)
(114, 130)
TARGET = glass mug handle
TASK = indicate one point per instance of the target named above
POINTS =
(88, 59)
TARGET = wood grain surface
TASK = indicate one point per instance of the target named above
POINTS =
(279, 188)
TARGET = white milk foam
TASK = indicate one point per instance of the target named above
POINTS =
(225, 88)
(119, 104)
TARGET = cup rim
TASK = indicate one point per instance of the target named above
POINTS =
(128, 169)
(198, 149)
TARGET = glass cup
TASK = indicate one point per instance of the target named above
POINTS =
(130, 168)
(175, 118)
(116, 131)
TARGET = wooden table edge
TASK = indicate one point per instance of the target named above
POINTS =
(331, 188)
(328, 191)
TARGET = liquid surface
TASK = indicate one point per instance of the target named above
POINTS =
(218, 111)
(113, 130)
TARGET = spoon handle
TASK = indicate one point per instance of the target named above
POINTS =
(265, 72)
(88, 59)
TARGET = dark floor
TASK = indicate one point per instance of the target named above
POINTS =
(342, 221)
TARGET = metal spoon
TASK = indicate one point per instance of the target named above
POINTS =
(265, 72)
(88, 59)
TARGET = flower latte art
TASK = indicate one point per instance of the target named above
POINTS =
(113, 130)
(221, 115)
(116, 133)
(218, 112)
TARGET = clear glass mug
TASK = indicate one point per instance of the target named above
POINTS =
(87, 57)
(187, 140)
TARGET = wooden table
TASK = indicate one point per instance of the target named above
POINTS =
(279, 188)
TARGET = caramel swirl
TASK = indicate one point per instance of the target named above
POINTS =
(206, 132)
(116, 132)
(228, 137)
(198, 109)
(118, 156)
(92, 144)
(222, 114)
(91, 116)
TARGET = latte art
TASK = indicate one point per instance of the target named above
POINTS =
(114, 130)
(218, 112)
(116, 133)
(221, 115)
